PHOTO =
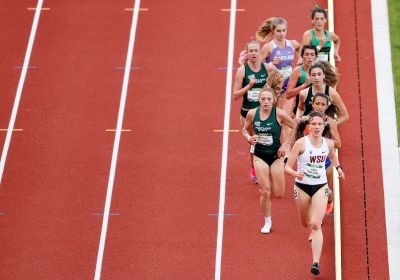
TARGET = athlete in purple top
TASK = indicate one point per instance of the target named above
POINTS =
(278, 50)
(283, 59)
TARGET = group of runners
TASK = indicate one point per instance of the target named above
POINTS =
(291, 115)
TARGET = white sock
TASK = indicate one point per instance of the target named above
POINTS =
(268, 220)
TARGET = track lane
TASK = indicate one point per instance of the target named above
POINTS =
(167, 180)
(16, 23)
(285, 252)
(364, 232)
(56, 173)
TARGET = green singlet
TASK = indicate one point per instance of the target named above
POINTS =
(269, 132)
(250, 98)
(300, 81)
(323, 53)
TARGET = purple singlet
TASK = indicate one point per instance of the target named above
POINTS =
(286, 55)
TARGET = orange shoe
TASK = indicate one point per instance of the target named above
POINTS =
(329, 208)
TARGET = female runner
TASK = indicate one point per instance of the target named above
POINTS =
(279, 51)
(263, 129)
(317, 79)
(300, 78)
(321, 104)
(311, 188)
(250, 79)
(320, 37)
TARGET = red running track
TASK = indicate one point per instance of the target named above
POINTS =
(167, 181)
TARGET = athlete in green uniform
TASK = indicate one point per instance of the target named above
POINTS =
(300, 79)
(263, 128)
(250, 78)
(320, 37)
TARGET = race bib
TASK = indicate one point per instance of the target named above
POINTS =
(323, 57)
(252, 94)
(314, 171)
(286, 71)
(265, 139)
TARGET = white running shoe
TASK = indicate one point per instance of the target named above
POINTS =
(266, 228)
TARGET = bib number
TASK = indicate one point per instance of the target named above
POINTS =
(252, 94)
(265, 140)
(323, 57)
(286, 72)
(314, 171)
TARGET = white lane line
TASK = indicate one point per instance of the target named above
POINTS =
(19, 88)
(117, 140)
(388, 131)
(228, 93)
(336, 182)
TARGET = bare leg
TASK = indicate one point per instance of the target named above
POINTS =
(262, 171)
(263, 176)
(329, 175)
(318, 206)
(303, 204)
(277, 178)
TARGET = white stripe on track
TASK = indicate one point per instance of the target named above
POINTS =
(117, 140)
(228, 93)
(20, 87)
(388, 131)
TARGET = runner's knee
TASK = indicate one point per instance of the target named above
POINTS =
(266, 193)
(315, 225)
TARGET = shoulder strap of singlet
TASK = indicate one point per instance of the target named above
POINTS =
(310, 91)
(275, 113)
(327, 35)
(246, 69)
(288, 43)
(327, 90)
(313, 34)
(263, 67)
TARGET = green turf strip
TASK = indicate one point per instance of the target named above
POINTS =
(394, 18)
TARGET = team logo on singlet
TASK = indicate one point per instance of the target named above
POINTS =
(317, 159)
(257, 123)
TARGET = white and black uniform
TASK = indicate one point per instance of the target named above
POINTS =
(312, 163)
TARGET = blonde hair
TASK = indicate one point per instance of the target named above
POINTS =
(252, 41)
(274, 83)
(265, 30)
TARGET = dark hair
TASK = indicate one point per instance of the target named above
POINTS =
(303, 124)
(318, 10)
(310, 47)
(331, 110)
(331, 75)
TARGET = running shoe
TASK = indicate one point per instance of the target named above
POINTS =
(266, 228)
(253, 177)
(329, 207)
(315, 269)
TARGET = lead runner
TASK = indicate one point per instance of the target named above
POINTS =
(311, 185)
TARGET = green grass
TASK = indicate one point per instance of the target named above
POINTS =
(394, 18)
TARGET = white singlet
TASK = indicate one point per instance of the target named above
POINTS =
(312, 163)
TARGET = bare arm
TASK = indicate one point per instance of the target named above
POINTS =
(306, 39)
(335, 133)
(298, 148)
(252, 139)
(300, 107)
(265, 51)
(296, 46)
(336, 41)
(287, 124)
(238, 91)
(334, 159)
(292, 90)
